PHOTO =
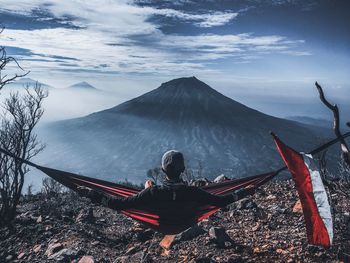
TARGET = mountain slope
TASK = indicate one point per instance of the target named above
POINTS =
(185, 114)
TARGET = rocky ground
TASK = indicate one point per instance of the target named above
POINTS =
(267, 227)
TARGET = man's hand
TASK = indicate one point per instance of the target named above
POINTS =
(149, 183)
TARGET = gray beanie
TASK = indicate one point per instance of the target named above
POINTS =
(173, 162)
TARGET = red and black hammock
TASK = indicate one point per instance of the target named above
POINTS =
(149, 217)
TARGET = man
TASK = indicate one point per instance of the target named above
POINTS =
(175, 200)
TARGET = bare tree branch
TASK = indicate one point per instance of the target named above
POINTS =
(5, 60)
(336, 127)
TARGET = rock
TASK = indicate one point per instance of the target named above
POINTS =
(256, 227)
(131, 250)
(21, 255)
(190, 233)
(167, 241)
(221, 178)
(95, 243)
(40, 219)
(297, 208)
(37, 248)
(219, 236)
(205, 260)
(64, 255)
(136, 258)
(245, 203)
(145, 234)
(53, 248)
(276, 209)
(271, 197)
(261, 214)
(86, 259)
(85, 216)
(9, 258)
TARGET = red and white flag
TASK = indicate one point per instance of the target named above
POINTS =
(312, 194)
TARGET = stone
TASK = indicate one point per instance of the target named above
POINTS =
(261, 214)
(86, 259)
(53, 248)
(246, 203)
(37, 248)
(40, 219)
(9, 258)
(271, 197)
(131, 250)
(205, 260)
(256, 227)
(297, 208)
(64, 255)
(190, 233)
(219, 236)
(221, 178)
(21, 255)
(85, 216)
(136, 258)
(167, 241)
(145, 234)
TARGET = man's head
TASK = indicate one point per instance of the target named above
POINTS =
(173, 164)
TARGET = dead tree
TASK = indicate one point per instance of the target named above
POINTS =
(336, 127)
(21, 115)
(51, 187)
(5, 60)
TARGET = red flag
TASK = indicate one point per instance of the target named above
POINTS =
(312, 194)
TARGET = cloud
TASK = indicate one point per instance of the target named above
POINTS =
(201, 20)
(121, 36)
(115, 15)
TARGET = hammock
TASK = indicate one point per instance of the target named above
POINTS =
(148, 216)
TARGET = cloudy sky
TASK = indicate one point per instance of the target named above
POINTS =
(253, 50)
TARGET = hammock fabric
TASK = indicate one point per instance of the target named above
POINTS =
(151, 218)
(148, 216)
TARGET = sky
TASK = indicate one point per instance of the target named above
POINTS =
(265, 54)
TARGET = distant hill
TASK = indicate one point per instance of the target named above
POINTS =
(186, 114)
(82, 86)
(23, 82)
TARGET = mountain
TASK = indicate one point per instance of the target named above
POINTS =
(23, 82)
(220, 134)
(82, 86)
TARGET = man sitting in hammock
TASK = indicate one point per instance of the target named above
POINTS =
(175, 201)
